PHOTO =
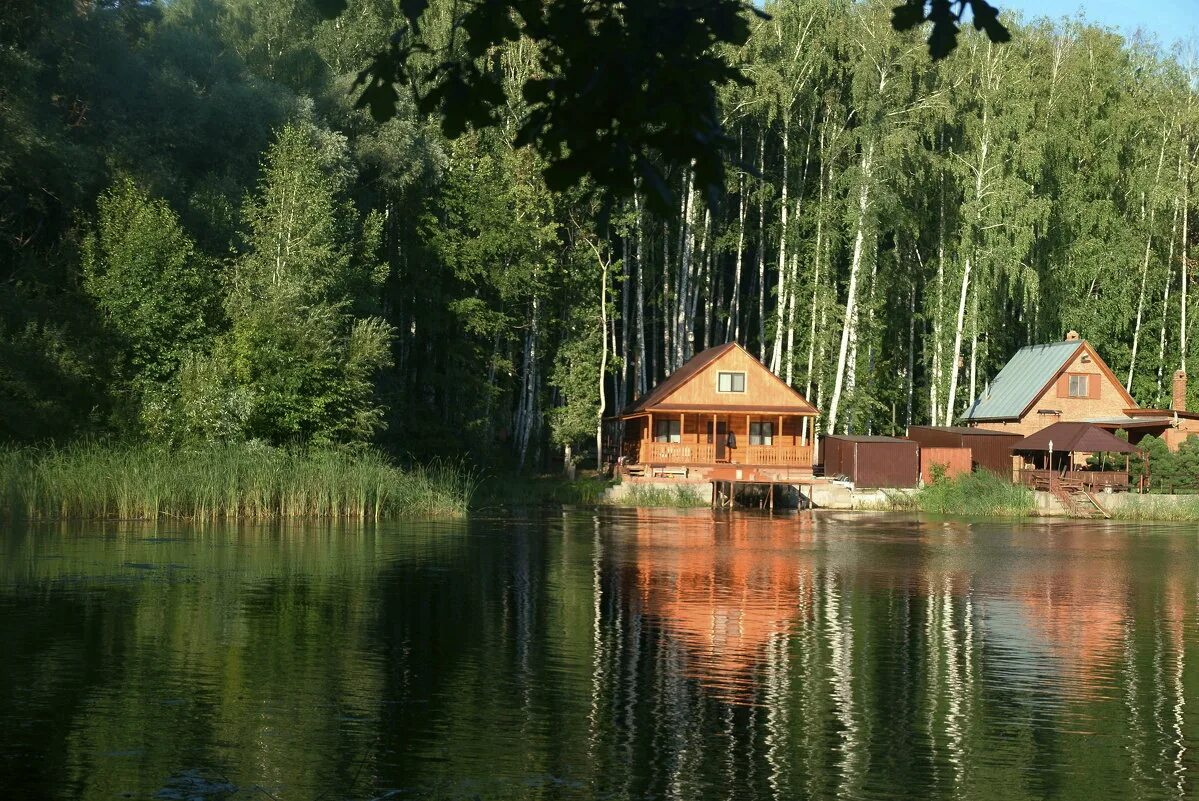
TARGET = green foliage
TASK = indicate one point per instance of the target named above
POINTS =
(620, 88)
(298, 362)
(977, 494)
(1169, 472)
(575, 375)
(223, 482)
(156, 292)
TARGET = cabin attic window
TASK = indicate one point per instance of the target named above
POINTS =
(761, 433)
(1079, 388)
(667, 431)
(730, 382)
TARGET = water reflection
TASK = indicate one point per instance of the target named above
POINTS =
(621, 655)
(729, 590)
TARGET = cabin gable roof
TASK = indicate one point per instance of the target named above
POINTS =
(1029, 375)
(693, 387)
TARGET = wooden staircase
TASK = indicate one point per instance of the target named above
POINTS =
(1077, 500)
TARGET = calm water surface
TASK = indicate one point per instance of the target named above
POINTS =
(612, 655)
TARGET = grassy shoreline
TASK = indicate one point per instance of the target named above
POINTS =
(223, 482)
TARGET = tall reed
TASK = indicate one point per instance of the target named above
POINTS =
(215, 482)
(977, 494)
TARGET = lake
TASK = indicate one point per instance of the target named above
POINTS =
(619, 654)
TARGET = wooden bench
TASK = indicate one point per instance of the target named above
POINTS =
(661, 471)
(635, 470)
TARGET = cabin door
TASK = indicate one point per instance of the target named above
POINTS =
(721, 440)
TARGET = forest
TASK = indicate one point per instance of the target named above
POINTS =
(203, 239)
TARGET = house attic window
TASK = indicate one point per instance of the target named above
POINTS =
(730, 382)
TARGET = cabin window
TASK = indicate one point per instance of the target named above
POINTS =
(730, 382)
(1079, 386)
(761, 433)
(667, 431)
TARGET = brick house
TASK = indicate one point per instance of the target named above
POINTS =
(1068, 382)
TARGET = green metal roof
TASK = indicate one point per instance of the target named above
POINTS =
(1021, 379)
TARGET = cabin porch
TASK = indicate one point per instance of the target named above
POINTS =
(707, 439)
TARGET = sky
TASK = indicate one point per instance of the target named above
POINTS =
(1167, 20)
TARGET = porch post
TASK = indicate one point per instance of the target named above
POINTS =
(780, 433)
(715, 447)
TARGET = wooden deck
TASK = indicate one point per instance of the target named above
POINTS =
(692, 454)
(1090, 480)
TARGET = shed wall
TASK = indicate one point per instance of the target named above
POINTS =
(988, 451)
(888, 463)
(956, 462)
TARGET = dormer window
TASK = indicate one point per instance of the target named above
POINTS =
(730, 382)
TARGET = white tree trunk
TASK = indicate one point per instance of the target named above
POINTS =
(1161, 344)
(1185, 272)
(848, 331)
(776, 354)
(639, 389)
(733, 331)
(980, 170)
(762, 254)
(603, 400)
(956, 354)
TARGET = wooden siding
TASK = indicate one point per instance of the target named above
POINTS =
(762, 388)
(955, 461)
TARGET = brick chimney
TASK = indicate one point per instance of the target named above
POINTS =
(1179, 402)
(1071, 335)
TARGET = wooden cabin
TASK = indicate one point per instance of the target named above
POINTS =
(722, 408)
(1068, 382)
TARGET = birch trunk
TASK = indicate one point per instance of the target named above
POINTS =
(603, 401)
(911, 383)
(847, 328)
(667, 305)
(762, 254)
(776, 354)
(639, 389)
(979, 172)
(816, 253)
(733, 331)
(1136, 330)
(1161, 344)
(683, 293)
(1185, 274)
(951, 398)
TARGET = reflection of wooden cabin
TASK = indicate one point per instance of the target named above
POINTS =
(726, 593)
(721, 408)
(1068, 382)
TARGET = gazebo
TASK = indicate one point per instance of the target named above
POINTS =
(1052, 457)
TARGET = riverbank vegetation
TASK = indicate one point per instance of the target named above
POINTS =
(204, 240)
(1157, 508)
(684, 496)
(224, 482)
(977, 494)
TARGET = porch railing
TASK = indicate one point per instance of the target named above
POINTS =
(771, 455)
(691, 453)
(678, 453)
(1091, 480)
